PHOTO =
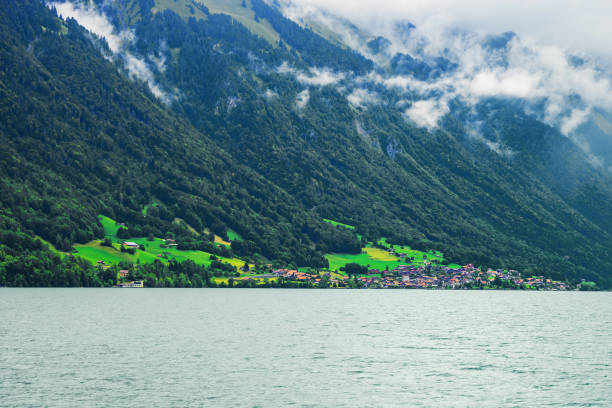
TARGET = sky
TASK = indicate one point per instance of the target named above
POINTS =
(579, 26)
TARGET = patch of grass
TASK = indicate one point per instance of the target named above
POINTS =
(419, 257)
(379, 258)
(52, 247)
(244, 15)
(454, 266)
(233, 8)
(233, 235)
(146, 208)
(110, 227)
(94, 251)
(336, 223)
(378, 254)
(179, 7)
(219, 240)
(338, 260)
(200, 257)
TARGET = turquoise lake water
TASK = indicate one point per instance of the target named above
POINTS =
(304, 348)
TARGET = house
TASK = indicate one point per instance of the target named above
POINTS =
(123, 273)
(130, 244)
(133, 284)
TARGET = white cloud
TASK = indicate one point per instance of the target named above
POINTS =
(98, 23)
(362, 98)
(576, 118)
(534, 67)
(270, 94)
(583, 26)
(427, 113)
(95, 22)
(314, 76)
(285, 68)
(320, 77)
(513, 83)
(302, 99)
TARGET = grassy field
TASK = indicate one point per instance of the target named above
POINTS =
(233, 8)
(219, 240)
(378, 258)
(336, 223)
(146, 208)
(52, 247)
(179, 7)
(93, 251)
(233, 235)
(370, 256)
(244, 15)
(110, 227)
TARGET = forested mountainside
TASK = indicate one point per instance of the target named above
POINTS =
(80, 139)
(258, 126)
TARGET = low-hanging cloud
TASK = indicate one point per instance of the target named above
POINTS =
(302, 99)
(314, 76)
(582, 26)
(362, 98)
(427, 113)
(118, 42)
(95, 22)
(557, 72)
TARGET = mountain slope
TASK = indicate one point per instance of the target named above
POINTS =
(368, 166)
(82, 139)
(268, 138)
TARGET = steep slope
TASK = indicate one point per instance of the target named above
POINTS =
(367, 166)
(81, 139)
(303, 142)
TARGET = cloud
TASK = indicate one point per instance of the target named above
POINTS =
(512, 83)
(314, 76)
(576, 118)
(536, 66)
(302, 99)
(473, 131)
(138, 68)
(540, 76)
(95, 22)
(285, 68)
(320, 77)
(270, 94)
(362, 98)
(583, 26)
(118, 42)
(427, 113)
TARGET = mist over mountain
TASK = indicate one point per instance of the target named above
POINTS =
(487, 146)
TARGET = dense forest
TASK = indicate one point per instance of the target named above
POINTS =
(80, 139)
(234, 152)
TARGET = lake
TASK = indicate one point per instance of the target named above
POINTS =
(304, 348)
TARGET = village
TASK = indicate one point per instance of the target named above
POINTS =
(406, 276)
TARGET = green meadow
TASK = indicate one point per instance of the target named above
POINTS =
(336, 223)
(94, 251)
(233, 236)
(377, 258)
